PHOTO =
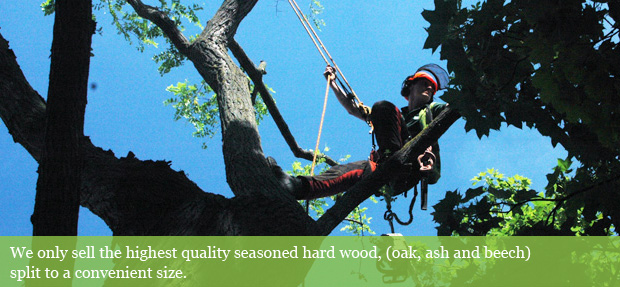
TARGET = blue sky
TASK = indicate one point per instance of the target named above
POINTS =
(376, 46)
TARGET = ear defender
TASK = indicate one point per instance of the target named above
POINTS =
(432, 72)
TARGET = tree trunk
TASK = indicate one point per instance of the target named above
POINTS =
(58, 187)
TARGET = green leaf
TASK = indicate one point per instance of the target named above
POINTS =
(564, 165)
(48, 7)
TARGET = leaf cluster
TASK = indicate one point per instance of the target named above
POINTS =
(507, 206)
(197, 103)
(316, 8)
(551, 65)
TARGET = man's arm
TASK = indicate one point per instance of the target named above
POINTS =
(359, 111)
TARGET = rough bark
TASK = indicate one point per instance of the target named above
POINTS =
(22, 109)
(209, 54)
(58, 187)
(246, 166)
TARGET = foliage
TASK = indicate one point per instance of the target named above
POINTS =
(48, 7)
(198, 105)
(507, 206)
(551, 65)
(357, 222)
(132, 26)
(316, 8)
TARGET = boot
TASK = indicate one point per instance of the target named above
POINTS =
(296, 186)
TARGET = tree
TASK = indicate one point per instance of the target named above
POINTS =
(134, 197)
(552, 66)
(58, 188)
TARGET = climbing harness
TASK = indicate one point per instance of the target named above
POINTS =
(426, 117)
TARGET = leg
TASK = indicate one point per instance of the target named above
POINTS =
(389, 127)
(337, 179)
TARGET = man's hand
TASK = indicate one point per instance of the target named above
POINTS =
(364, 110)
(427, 159)
(330, 73)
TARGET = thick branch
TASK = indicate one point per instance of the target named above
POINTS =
(371, 184)
(246, 166)
(257, 78)
(137, 197)
(223, 26)
(21, 115)
(163, 22)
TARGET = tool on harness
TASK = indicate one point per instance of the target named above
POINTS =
(424, 193)
(425, 168)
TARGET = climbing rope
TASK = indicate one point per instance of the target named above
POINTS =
(323, 51)
(318, 139)
(389, 215)
(320, 46)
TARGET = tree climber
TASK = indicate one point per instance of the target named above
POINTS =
(392, 131)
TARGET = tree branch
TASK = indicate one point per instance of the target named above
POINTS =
(223, 26)
(371, 184)
(163, 22)
(257, 78)
(246, 166)
(21, 115)
(137, 197)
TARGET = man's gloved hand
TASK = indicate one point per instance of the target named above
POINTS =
(427, 159)
(364, 110)
(330, 72)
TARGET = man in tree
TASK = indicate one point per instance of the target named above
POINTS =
(392, 130)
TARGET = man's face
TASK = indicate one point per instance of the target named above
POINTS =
(421, 91)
